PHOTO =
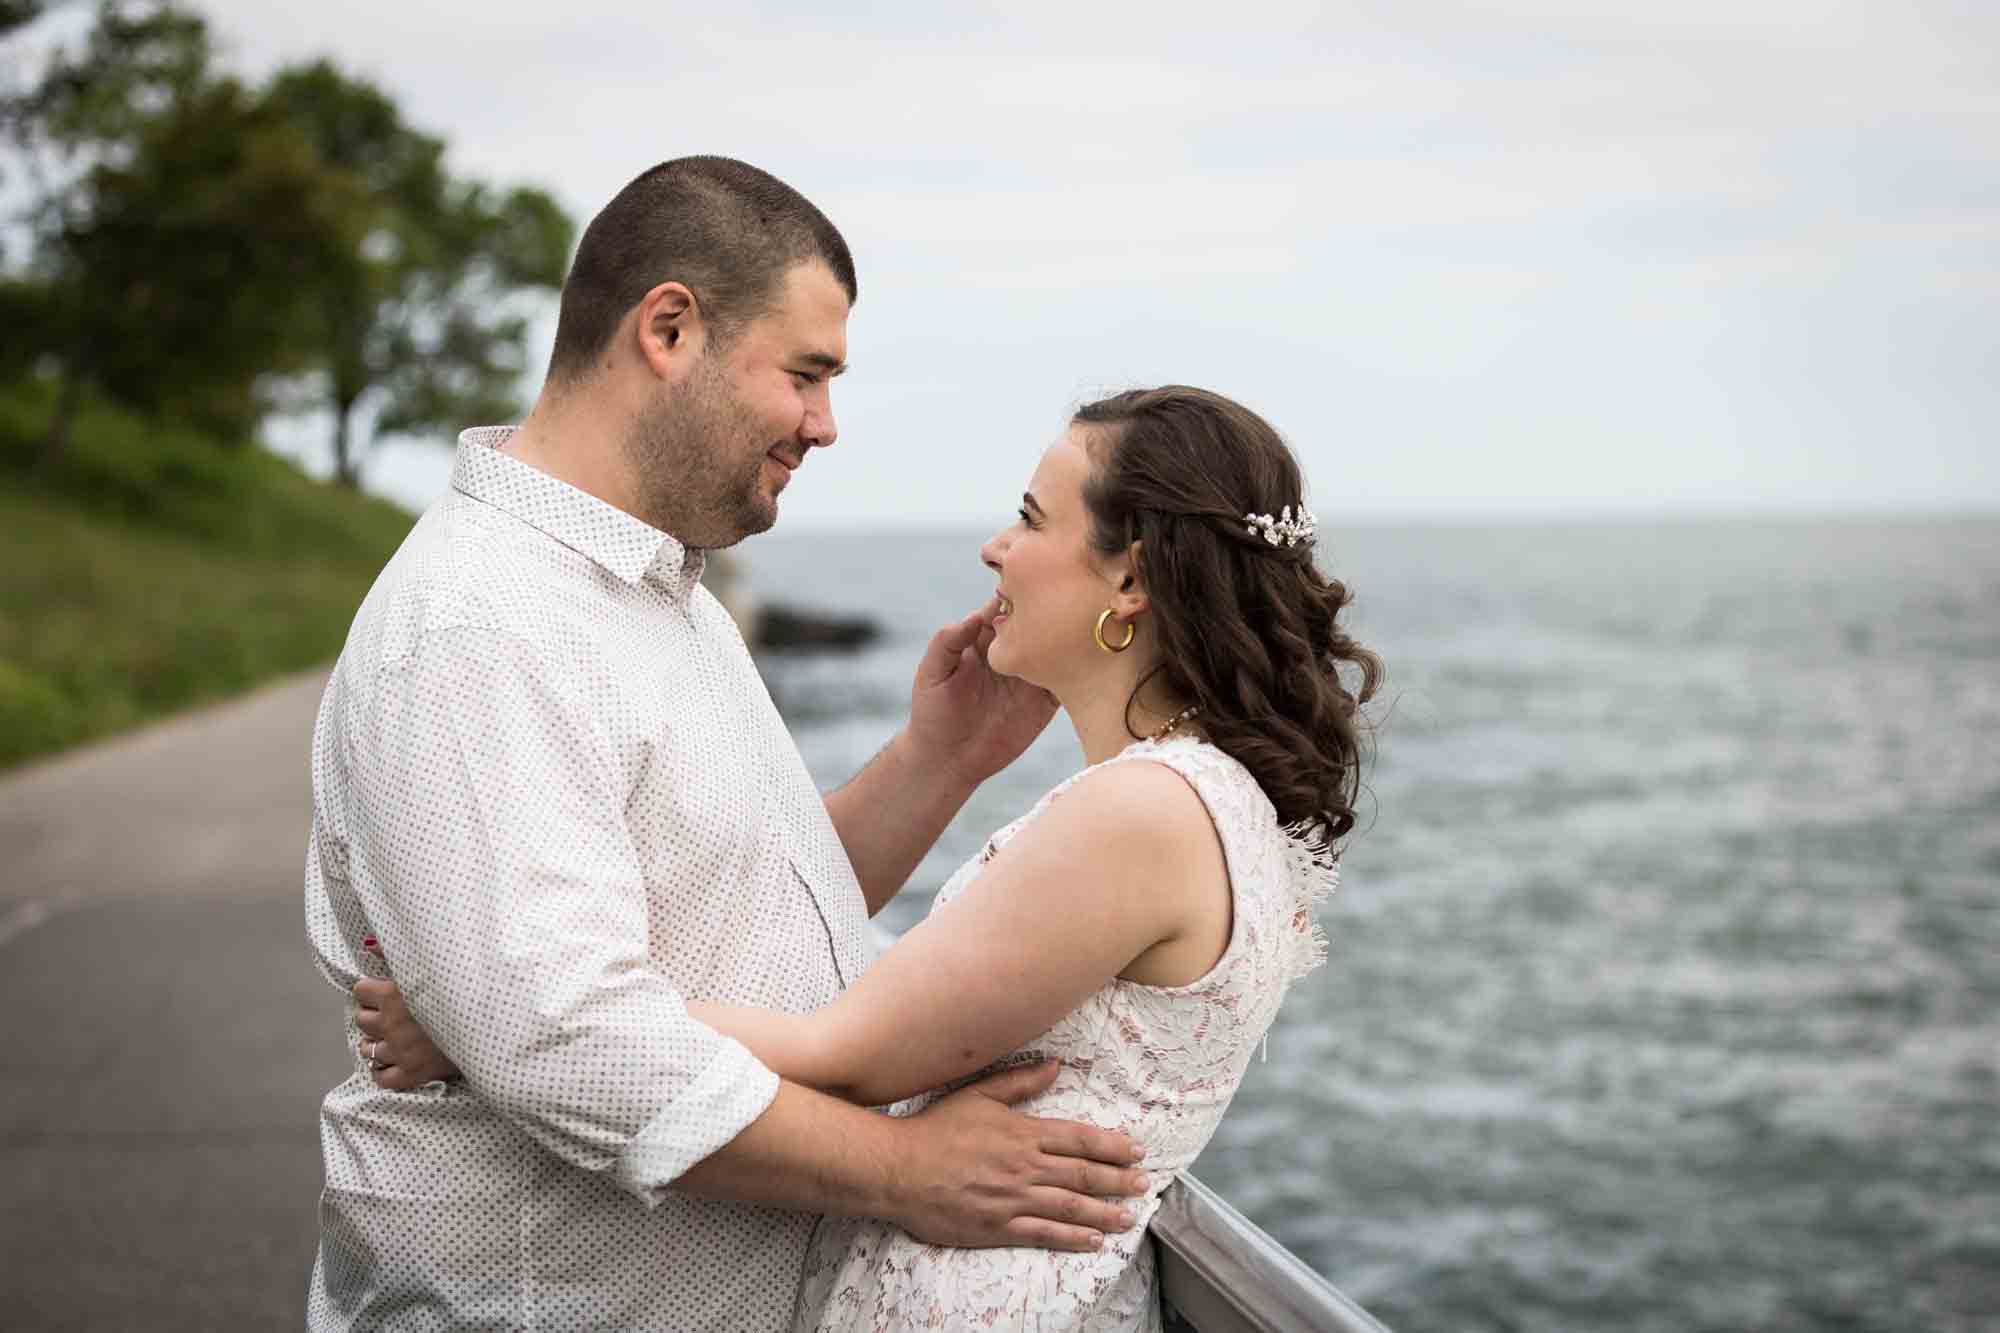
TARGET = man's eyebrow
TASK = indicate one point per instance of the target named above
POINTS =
(832, 365)
(1030, 501)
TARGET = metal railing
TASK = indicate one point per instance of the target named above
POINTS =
(1220, 1273)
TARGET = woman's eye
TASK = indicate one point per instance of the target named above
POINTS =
(1026, 521)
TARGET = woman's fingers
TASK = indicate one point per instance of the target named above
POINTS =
(394, 1078)
(399, 1053)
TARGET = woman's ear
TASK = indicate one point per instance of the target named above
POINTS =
(1128, 597)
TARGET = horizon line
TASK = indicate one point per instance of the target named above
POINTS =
(1581, 516)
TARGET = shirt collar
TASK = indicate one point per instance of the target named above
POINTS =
(630, 548)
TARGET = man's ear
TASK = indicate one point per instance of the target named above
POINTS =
(670, 330)
(1128, 595)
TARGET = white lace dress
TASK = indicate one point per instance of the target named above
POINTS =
(1158, 1062)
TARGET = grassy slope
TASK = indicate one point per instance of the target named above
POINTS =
(153, 569)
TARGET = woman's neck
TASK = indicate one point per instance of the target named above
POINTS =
(1099, 712)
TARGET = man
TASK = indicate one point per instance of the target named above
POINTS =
(548, 779)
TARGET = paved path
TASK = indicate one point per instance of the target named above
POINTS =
(169, 1039)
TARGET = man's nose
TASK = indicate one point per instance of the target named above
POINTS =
(818, 427)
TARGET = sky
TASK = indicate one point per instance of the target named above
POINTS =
(1483, 259)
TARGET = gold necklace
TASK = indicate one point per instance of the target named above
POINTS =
(1174, 722)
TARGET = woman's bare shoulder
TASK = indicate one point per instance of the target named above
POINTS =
(1133, 818)
(1135, 794)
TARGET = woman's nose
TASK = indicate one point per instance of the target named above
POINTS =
(990, 553)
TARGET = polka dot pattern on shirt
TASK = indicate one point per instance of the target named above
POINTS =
(548, 778)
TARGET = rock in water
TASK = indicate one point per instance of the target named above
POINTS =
(784, 629)
(771, 628)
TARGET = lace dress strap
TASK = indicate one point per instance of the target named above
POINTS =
(1307, 869)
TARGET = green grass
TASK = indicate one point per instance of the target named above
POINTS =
(153, 569)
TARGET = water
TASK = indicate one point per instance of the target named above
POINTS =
(1665, 987)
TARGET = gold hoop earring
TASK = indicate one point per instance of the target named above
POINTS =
(1131, 628)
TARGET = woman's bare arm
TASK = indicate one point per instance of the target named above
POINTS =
(1125, 860)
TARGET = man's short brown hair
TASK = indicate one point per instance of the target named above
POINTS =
(722, 228)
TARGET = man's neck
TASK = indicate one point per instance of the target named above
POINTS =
(579, 448)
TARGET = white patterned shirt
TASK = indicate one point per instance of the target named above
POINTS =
(548, 778)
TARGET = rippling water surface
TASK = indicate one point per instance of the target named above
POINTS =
(1665, 988)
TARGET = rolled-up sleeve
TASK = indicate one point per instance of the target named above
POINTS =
(493, 858)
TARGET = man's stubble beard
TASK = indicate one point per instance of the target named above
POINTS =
(684, 451)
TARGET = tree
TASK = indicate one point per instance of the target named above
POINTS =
(18, 14)
(196, 242)
(179, 222)
(14, 96)
(420, 324)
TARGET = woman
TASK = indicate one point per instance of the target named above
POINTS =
(1143, 921)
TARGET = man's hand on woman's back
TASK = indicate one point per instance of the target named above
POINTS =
(979, 1174)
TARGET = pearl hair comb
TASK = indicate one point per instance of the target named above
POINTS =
(1284, 529)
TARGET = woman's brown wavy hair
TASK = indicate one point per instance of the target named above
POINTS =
(1248, 631)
